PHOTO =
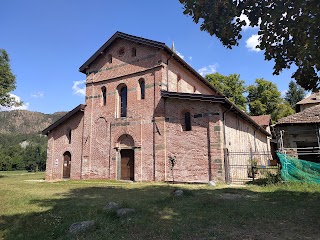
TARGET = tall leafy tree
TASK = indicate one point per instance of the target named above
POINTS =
(294, 94)
(283, 109)
(7, 81)
(231, 86)
(263, 97)
(289, 31)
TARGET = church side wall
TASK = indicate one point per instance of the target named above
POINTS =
(241, 135)
(199, 152)
(58, 144)
(242, 138)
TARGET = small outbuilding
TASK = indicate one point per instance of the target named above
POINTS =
(299, 134)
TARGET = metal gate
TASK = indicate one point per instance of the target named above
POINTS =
(245, 166)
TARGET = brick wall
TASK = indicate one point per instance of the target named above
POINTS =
(153, 127)
(198, 152)
(58, 144)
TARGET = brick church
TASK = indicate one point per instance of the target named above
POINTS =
(143, 105)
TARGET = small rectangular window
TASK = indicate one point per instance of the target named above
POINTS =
(187, 121)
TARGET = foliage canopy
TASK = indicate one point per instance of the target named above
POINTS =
(7, 81)
(263, 97)
(289, 31)
(294, 94)
(231, 86)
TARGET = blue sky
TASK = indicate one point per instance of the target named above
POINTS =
(49, 40)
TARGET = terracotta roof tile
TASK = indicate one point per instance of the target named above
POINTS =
(262, 120)
(309, 115)
(313, 98)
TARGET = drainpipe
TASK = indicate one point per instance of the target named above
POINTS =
(154, 126)
(110, 142)
(224, 126)
(165, 140)
(226, 160)
(81, 162)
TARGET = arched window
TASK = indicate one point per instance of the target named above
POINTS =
(123, 92)
(110, 58)
(187, 121)
(178, 82)
(133, 52)
(104, 95)
(69, 135)
(142, 85)
(121, 51)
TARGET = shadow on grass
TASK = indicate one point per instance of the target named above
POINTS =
(228, 213)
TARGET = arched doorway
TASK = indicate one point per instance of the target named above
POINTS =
(126, 144)
(66, 164)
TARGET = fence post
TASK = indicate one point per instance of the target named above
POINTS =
(252, 164)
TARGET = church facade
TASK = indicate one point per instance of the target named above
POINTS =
(145, 105)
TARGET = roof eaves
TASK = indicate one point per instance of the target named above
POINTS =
(186, 65)
(247, 117)
(216, 99)
(80, 107)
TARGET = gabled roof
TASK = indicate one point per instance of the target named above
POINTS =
(115, 36)
(313, 98)
(309, 115)
(152, 43)
(262, 120)
(214, 99)
(79, 108)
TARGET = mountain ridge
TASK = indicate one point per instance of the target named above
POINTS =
(26, 122)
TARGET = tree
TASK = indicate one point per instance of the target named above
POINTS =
(231, 86)
(7, 81)
(289, 31)
(284, 109)
(263, 97)
(294, 94)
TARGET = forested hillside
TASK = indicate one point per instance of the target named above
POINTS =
(21, 144)
(26, 122)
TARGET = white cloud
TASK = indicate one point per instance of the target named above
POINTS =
(190, 58)
(252, 42)
(37, 95)
(246, 19)
(24, 106)
(79, 88)
(179, 54)
(208, 69)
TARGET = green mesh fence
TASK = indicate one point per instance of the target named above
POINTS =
(297, 170)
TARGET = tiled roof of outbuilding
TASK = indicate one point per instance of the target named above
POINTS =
(309, 115)
(313, 98)
(262, 120)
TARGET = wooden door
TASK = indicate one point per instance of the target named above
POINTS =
(127, 164)
(66, 165)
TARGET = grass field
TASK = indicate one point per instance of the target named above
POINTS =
(33, 209)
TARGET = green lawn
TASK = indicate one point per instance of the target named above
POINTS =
(33, 209)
